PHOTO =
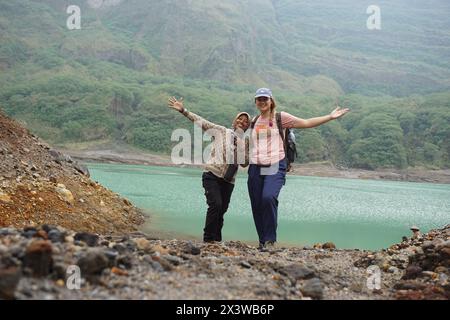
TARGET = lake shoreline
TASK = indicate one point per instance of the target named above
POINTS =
(310, 169)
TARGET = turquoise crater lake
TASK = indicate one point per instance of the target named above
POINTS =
(364, 214)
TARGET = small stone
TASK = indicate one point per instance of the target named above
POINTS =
(392, 270)
(5, 198)
(356, 287)
(173, 260)
(189, 248)
(427, 245)
(111, 255)
(296, 272)
(429, 274)
(55, 236)
(41, 234)
(9, 278)
(92, 262)
(313, 288)
(124, 262)
(328, 245)
(60, 283)
(245, 264)
(29, 233)
(143, 245)
(119, 272)
(161, 250)
(409, 285)
(38, 257)
(89, 238)
(445, 251)
(65, 193)
(412, 272)
(441, 269)
(118, 247)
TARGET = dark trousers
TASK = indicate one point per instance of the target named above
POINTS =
(218, 193)
(264, 191)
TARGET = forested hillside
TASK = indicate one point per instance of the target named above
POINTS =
(110, 80)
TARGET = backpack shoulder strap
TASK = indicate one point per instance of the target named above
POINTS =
(252, 125)
(280, 129)
(279, 124)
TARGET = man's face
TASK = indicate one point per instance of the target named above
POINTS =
(242, 122)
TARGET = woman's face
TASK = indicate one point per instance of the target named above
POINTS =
(263, 104)
(242, 122)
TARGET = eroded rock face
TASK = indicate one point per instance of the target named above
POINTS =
(40, 185)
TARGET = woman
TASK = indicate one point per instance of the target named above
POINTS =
(220, 173)
(267, 153)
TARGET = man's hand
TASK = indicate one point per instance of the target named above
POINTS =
(175, 104)
(338, 112)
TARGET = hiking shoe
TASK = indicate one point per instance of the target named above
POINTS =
(270, 246)
(261, 247)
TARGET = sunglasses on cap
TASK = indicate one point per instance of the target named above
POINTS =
(262, 99)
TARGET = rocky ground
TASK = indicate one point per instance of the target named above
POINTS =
(38, 263)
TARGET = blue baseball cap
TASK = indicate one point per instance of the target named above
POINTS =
(263, 92)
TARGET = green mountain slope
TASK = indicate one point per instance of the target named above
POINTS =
(111, 79)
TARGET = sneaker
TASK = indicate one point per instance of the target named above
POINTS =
(261, 247)
(270, 246)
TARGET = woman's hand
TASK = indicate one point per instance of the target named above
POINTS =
(175, 104)
(338, 112)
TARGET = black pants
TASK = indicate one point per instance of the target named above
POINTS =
(218, 193)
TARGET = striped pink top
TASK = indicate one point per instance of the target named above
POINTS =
(266, 144)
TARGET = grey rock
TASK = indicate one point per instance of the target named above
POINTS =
(124, 261)
(173, 260)
(296, 272)
(112, 256)
(189, 248)
(89, 238)
(412, 272)
(92, 262)
(56, 236)
(120, 248)
(9, 278)
(313, 288)
(8, 231)
(38, 258)
(82, 169)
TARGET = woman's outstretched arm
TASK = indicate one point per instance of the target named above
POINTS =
(314, 122)
(203, 123)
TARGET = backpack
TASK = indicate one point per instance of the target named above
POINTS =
(288, 137)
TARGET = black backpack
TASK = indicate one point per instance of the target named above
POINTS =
(288, 137)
